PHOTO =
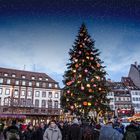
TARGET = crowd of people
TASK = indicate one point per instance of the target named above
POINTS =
(75, 130)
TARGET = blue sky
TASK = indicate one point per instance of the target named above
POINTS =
(39, 33)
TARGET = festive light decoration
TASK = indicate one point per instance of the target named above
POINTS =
(88, 85)
(69, 83)
(98, 65)
(94, 85)
(76, 65)
(100, 89)
(89, 104)
(79, 52)
(91, 58)
(68, 91)
(74, 71)
(85, 70)
(75, 60)
(82, 88)
(82, 79)
(85, 103)
(72, 107)
(90, 90)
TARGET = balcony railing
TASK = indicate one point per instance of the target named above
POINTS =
(29, 111)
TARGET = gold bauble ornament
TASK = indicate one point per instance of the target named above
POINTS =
(88, 85)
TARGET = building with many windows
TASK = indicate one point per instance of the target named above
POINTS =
(120, 99)
(28, 93)
(134, 92)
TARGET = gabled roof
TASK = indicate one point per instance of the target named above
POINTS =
(28, 74)
(127, 81)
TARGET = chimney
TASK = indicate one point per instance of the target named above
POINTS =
(136, 64)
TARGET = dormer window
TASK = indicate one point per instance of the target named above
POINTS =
(1, 80)
(56, 85)
(5, 74)
(50, 85)
(8, 81)
(13, 75)
(37, 84)
(40, 78)
(23, 76)
(33, 78)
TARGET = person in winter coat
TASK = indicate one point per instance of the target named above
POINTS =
(52, 132)
(29, 133)
(75, 131)
(39, 132)
(62, 128)
(12, 131)
(107, 132)
(132, 132)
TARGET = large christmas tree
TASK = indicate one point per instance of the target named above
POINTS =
(85, 85)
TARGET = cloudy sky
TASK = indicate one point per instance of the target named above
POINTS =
(39, 33)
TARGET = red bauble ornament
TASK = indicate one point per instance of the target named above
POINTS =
(76, 65)
(85, 103)
(69, 83)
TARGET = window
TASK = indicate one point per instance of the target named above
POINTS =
(22, 102)
(13, 75)
(17, 83)
(1, 80)
(8, 81)
(43, 104)
(55, 104)
(44, 85)
(133, 98)
(23, 76)
(29, 94)
(33, 77)
(7, 91)
(0, 90)
(5, 74)
(56, 95)
(16, 93)
(29, 102)
(30, 83)
(50, 95)
(23, 83)
(40, 78)
(36, 103)
(37, 94)
(6, 101)
(128, 99)
(49, 103)
(23, 93)
(50, 85)
(56, 86)
(43, 94)
(37, 84)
